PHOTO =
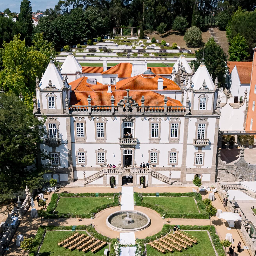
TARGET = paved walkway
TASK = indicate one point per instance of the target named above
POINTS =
(127, 200)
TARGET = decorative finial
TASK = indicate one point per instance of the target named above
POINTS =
(89, 100)
(112, 99)
(50, 83)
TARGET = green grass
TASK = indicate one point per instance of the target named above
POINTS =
(254, 210)
(50, 245)
(150, 65)
(173, 204)
(203, 248)
(81, 205)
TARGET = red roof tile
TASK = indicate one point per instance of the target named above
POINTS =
(161, 70)
(123, 70)
(103, 98)
(244, 70)
(146, 82)
(92, 69)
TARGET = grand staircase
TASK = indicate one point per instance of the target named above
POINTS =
(105, 171)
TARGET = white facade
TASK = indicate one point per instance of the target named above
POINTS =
(178, 142)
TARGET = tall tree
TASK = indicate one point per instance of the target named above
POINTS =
(215, 60)
(8, 29)
(25, 21)
(20, 133)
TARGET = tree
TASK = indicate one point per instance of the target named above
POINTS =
(197, 181)
(53, 182)
(161, 28)
(238, 49)
(180, 24)
(193, 37)
(25, 22)
(20, 135)
(215, 60)
(225, 243)
(153, 40)
(223, 19)
(22, 64)
(8, 29)
(211, 210)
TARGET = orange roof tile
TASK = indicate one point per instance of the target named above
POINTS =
(146, 82)
(161, 70)
(81, 84)
(123, 70)
(244, 70)
(92, 69)
(103, 98)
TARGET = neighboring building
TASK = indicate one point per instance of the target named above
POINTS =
(251, 116)
(234, 100)
(91, 125)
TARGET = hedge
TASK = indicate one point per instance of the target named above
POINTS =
(51, 214)
(138, 198)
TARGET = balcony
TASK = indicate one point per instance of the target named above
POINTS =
(201, 142)
(129, 142)
(52, 142)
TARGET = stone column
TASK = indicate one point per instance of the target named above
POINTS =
(131, 31)
(121, 31)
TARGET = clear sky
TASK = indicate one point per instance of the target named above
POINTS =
(14, 5)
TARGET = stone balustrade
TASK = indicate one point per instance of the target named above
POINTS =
(201, 142)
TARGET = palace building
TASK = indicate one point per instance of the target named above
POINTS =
(98, 128)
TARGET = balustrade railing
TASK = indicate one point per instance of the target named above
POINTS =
(201, 142)
(128, 141)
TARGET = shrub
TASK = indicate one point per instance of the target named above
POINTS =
(163, 42)
(89, 42)
(161, 28)
(78, 46)
(193, 37)
(238, 49)
(53, 182)
(174, 46)
(225, 243)
(197, 181)
(27, 244)
(207, 201)
(180, 24)
(66, 48)
(92, 50)
(153, 40)
(99, 39)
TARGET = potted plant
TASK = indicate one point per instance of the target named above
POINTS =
(142, 181)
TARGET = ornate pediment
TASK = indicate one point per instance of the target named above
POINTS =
(127, 102)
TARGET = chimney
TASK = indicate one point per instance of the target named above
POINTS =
(105, 65)
(160, 84)
(109, 89)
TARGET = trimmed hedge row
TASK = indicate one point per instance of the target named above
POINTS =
(50, 213)
(37, 241)
(138, 198)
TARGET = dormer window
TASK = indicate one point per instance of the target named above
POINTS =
(202, 103)
(112, 80)
(51, 102)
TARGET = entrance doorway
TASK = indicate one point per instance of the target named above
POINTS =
(127, 179)
(127, 158)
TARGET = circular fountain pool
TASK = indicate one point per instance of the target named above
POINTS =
(128, 221)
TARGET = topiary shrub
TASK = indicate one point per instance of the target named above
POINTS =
(161, 28)
(197, 181)
(66, 48)
(180, 24)
(99, 39)
(174, 46)
(193, 37)
(153, 40)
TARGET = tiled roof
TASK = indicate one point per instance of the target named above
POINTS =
(146, 82)
(81, 84)
(161, 70)
(92, 69)
(123, 70)
(103, 98)
(244, 70)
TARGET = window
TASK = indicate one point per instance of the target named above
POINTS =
(100, 130)
(201, 131)
(173, 158)
(174, 130)
(199, 158)
(112, 80)
(81, 157)
(235, 99)
(52, 131)
(253, 105)
(153, 157)
(202, 104)
(101, 157)
(80, 129)
(255, 88)
(251, 124)
(154, 130)
(55, 160)
(51, 102)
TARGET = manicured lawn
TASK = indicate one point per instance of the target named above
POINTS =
(202, 248)
(152, 65)
(173, 204)
(81, 205)
(50, 245)
(254, 210)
